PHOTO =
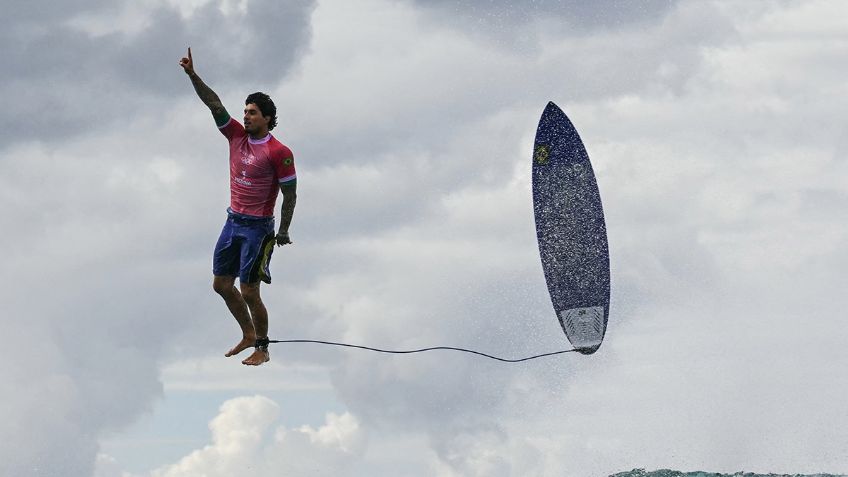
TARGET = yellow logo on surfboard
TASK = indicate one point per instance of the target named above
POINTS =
(542, 154)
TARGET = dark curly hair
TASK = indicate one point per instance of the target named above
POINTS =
(265, 105)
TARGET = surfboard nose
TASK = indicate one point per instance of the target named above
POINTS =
(551, 108)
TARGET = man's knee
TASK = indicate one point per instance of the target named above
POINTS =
(223, 286)
(250, 292)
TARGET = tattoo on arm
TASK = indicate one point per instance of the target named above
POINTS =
(210, 99)
(289, 201)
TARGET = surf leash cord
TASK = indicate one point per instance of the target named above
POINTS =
(421, 350)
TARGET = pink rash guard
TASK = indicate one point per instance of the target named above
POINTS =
(257, 168)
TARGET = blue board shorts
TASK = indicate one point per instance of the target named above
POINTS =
(244, 248)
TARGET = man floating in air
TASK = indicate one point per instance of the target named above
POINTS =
(260, 165)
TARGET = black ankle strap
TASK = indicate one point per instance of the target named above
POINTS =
(262, 344)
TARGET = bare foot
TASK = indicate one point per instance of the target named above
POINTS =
(258, 357)
(241, 346)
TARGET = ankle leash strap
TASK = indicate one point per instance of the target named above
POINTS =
(262, 344)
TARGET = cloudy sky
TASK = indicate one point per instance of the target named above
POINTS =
(719, 137)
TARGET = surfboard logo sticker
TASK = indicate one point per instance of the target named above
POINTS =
(542, 154)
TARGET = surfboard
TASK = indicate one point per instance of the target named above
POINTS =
(571, 231)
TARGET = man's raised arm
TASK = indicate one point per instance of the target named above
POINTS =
(209, 98)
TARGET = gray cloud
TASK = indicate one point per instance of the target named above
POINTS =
(523, 28)
(63, 79)
(574, 13)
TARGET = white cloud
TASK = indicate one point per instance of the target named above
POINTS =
(245, 438)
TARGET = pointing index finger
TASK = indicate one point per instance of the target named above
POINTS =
(189, 53)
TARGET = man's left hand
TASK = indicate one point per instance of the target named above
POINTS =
(283, 238)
